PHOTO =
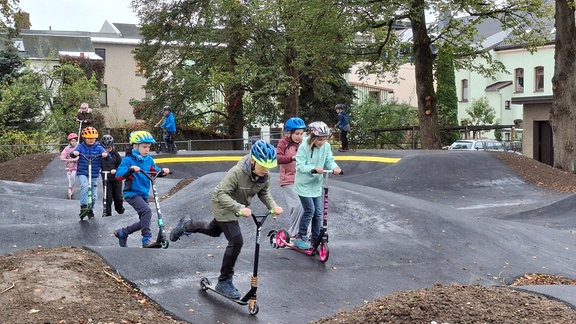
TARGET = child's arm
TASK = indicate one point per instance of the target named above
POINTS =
(222, 192)
(301, 160)
(280, 153)
(329, 162)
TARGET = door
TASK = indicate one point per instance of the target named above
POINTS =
(543, 149)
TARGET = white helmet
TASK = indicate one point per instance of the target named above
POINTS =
(319, 129)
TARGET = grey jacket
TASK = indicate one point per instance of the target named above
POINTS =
(237, 189)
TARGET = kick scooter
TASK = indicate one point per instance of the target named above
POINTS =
(281, 238)
(104, 189)
(161, 241)
(89, 158)
(250, 297)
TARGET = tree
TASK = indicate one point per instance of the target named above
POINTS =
(10, 15)
(563, 112)
(10, 64)
(23, 102)
(480, 113)
(446, 92)
(385, 48)
(193, 51)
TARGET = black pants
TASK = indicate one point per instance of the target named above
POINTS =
(232, 233)
(344, 139)
(113, 194)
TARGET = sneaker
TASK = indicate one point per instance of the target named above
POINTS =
(122, 237)
(84, 211)
(226, 288)
(179, 230)
(90, 214)
(147, 242)
(120, 211)
(106, 214)
(301, 244)
(69, 194)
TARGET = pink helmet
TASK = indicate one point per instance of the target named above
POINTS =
(84, 106)
(72, 136)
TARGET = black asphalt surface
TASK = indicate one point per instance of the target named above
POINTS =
(398, 220)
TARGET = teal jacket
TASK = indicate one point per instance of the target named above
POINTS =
(236, 190)
(307, 184)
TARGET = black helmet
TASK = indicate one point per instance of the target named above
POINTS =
(107, 141)
(167, 108)
(340, 106)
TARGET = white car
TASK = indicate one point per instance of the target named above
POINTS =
(477, 145)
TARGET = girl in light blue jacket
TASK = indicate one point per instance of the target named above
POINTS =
(315, 153)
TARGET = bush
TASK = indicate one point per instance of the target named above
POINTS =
(16, 143)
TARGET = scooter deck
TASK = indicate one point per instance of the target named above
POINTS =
(206, 285)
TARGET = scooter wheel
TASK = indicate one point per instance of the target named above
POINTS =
(272, 236)
(323, 252)
(204, 283)
(253, 307)
(165, 244)
(282, 238)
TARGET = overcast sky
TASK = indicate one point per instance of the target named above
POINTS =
(77, 15)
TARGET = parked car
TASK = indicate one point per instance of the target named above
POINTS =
(477, 145)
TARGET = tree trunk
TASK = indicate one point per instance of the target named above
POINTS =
(235, 120)
(292, 100)
(563, 111)
(424, 64)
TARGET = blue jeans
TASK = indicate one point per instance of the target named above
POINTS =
(84, 190)
(313, 207)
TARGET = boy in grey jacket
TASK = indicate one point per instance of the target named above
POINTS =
(230, 200)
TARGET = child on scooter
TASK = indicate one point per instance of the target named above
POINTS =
(70, 163)
(314, 154)
(137, 187)
(112, 186)
(230, 200)
(286, 151)
(88, 148)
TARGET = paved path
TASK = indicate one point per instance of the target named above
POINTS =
(399, 220)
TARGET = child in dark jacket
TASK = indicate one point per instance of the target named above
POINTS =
(137, 187)
(88, 150)
(112, 186)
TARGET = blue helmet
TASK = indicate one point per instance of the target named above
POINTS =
(264, 154)
(294, 123)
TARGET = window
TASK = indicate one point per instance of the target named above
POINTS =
(104, 95)
(139, 71)
(374, 95)
(101, 52)
(464, 94)
(507, 104)
(519, 80)
(539, 78)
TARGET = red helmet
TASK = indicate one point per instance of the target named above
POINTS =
(84, 106)
(72, 136)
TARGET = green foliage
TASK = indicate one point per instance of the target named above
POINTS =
(480, 113)
(10, 63)
(92, 68)
(447, 99)
(17, 143)
(22, 104)
(9, 16)
(370, 116)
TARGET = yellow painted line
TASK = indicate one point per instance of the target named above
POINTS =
(364, 158)
(233, 158)
(223, 158)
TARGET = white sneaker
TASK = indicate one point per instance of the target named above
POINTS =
(69, 194)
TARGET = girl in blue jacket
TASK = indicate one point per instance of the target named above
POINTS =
(315, 153)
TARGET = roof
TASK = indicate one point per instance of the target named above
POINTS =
(498, 86)
(49, 46)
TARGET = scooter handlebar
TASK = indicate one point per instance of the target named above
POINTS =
(314, 171)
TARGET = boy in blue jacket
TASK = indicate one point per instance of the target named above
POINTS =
(169, 125)
(88, 149)
(137, 186)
